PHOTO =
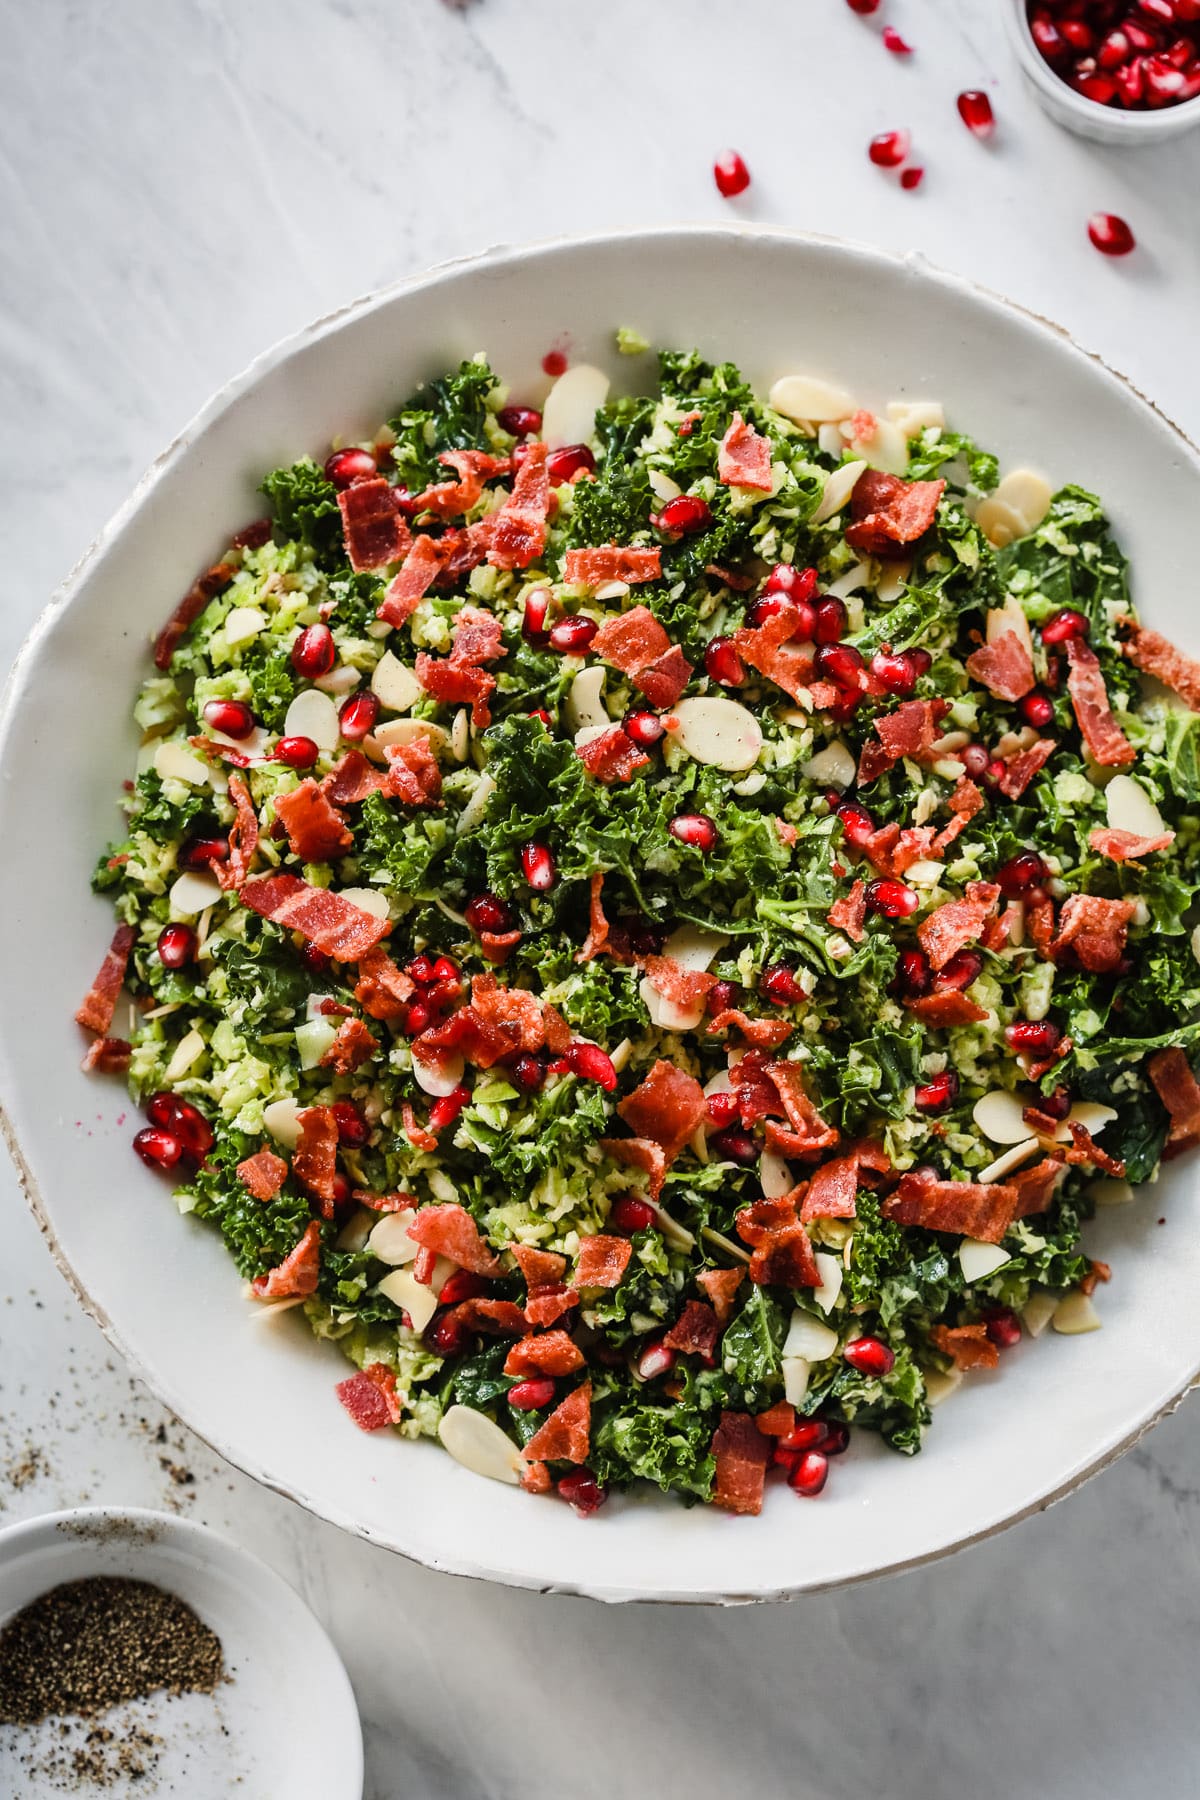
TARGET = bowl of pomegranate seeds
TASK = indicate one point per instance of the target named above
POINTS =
(648, 953)
(1117, 71)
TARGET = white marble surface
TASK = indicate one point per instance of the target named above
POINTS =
(184, 182)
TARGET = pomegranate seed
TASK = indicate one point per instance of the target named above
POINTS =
(736, 1147)
(590, 1063)
(1112, 237)
(314, 652)
(722, 663)
(975, 111)
(1114, 50)
(890, 149)
(158, 1149)
(1020, 873)
(347, 466)
(829, 622)
(185, 1122)
(520, 421)
(1141, 38)
(1003, 1326)
(1131, 82)
(358, 716)
(582, 1491)
(963, 968)
(863, 7)
(565, 463)
(554, 363)
(1161, 11)
(721, 1109)
(572, 635)
(447, 1334)
(655, 1360)
(894, 42)
(857, 823)
(462, 1285)
(229, 716)
(1037, 709)
(806, 1434)
(629, 1214)
(645, 728)
(730, 174)
(685, 515)
(1165, 83)
(780, 986)
(533, 623)
(840, 663)
(418, 1018)
(974, 759)
(913, 975)
(539, 712)
(443, 1112)
(342, 1192)
(995, 771)
(892, 899)
(1032, 1037)
(767, 606)
(1181, 54)
(1063, 625)
(696, 829)
(404, 502)
(421, 968)
(1100, 88)
(869, 1356)
(296, 752)
(444, 969)
(486, 913)
(911, 178)
(202, 853)
(538, 867)
(351, 1126)
(527, 1072)
(176, 946)
(810, 1474)
(894, 671)
(1050, 41)
(837, 1437)
(938, 1095)
(1078, 34)
(796, 584)
(315, 960)
(1058, 1104)
(721, 996)
(530, 1396)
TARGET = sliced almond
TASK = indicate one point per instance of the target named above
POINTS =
(1110, 1190)
(478, 1443)
(774, 1176)
(357, 1229)
(666, 1014)
(340, 681)
(833, 764)
(475, 811)
(191, 892)
(795, 1379)
(282, 1119)
(915, 416)
(807, 397)
(186, 1054)
(394, 684)
(1012, 1159)
(807, 1337)
(389, 1239)
(367, 899)
(838, 488)
(1130, 808)
(886, 448)
(892, 581)
(940, 1384)
(416, 1298)
(693, 947)
(460, 735)
(569, 415)
(312, 714)
(1075, 1315)
(585, 700)
(176, 761)
(998, 1116)
(241, 623)
(406, 731)
(1088, 1113)
(830, 440)
(1029, 495)
(1000, 524)
(978, 1260)
(661, 485)
(440, 1074)
(830, 1285)
(1009, 618)
(1038, 1311)
(722, 733)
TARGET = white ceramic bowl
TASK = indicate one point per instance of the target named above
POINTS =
(254, 1734)
(1087, 118)
(260, 1391)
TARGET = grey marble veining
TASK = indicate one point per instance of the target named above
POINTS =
(181, 183)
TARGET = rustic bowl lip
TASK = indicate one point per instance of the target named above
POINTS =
(63, 596)
(1102, 123)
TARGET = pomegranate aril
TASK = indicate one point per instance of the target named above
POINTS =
(443, 1112)
(810, 1473)
(346, 466)
(1032, 1037)
(890, 149)
(314, 652)
(537, 865)
(1020, 873)
(1003, 1327)
(694, 829)
(891, 899)
(418, 1018)
(1131, 82)
(768, 606)
(842, 664)
(894, 42)
(829, 622)
(805, 1435)
(420, 968)
(532, 1395)
(202, 853)
(1112, 237)
(722, 664)
(645, 728)
(736, 1147)
(837, 1437)
(1114, 50)
(1036, 709)
(462, 1285)
(159, 1149)
(937, 1095)
(796, 584)
(685, 515)
(486, 913)
(565, 463)
(974, 759)
(914, 977)
(864, 7)
(358, 716)
(230, 716)
(533, 622)
(520, 421)
(184, 1122)
(895, 671)
(176, 946)
(539, 712)
(296, 752)
(351, 1126)
(444, 969)
(629, 1214)
(342, 1191)
(1049, 40)
(869, 1356)
(779, 985)
(730, 174)
(1100, 88)
(975, 111)
(1162, 12)
(315, 960)
(721, 996)
(572, 635)
(582, 1491)
(911, 178)
(447, 1334)
(721, 1109)
(1079, 35)
(590, 1063)
(655, 1360)
(857, 823)
(1181, 54)
(1058, 1104)
(1063, 625)
(963, 968)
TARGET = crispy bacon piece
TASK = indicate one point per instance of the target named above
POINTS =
(1004, 667)
(314, 1160)
(218, 752)
(744, 458)
(205, 588)
(880, 847)
(760, 1034)
(612, 562)
(721, 1285)
(833, 1191)
(779, 1421)
(850, 912)
(770, 648)
(631, 640)
(550, 1353)
(535, 1478)
(942, 1011)
(243, 836)
(262, 1174)
(464, 550)
(694, 1332)
(413, 775)
(466, 1031)
(297, 1275)
(497, 1318)
(683, 987)
(888, 513)
(915, 844)
(1020, 769)
(602, 1261)
(96, 1009)
(1085, 1149)
(1106, 742)
(1177, 1088)
(788, 1081)
(352, 780)
(970, 1209)
(373, 531)
(566, 1434)
(539, 1267)
(742, 1453)
(602, 939)
(547, 1303)
(370, 1397)
(353, 1046)
(478, 637)
(667, 1107)
(782, 1255)
(639, 1153)
(336, 926)
(663, 680)
(1094, 930)
(457, 684)
(1035, 1185)
(498, 946)
(383, 990)
(417, 1135)
(422, 565)
(613, 756)
(1127, 846)
(969, 1346)
(1156, 655)
(450, 1231)
(107, 1056)
(450, 499)
(950, 927)
(518, 530)
(315, 831)
(252, 536)
(386, 1203)
(911, 731)
(964, 803)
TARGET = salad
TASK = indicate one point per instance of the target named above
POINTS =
(655, 920)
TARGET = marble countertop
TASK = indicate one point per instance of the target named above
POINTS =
(184, 183)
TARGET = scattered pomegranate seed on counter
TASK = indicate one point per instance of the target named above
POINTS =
(1003, 1326)
(730, 174)
(911, 178)
(1111, 236)
(582, 1491)
(869, 1356)
(894, 42)
(890, 149)
(554, 363)
(345, 467)
(975, 111)
(863, 7)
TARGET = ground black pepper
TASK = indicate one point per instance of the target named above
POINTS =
(88, 1645)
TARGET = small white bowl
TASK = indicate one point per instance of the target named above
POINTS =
(1087, 118)
(258, 1733)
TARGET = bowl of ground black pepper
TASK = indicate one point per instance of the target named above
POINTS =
(143, 1654)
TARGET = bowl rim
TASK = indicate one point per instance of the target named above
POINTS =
(63, 596)
(1115, 125)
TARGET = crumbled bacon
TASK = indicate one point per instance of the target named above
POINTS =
(770, 648)
(413, 775)
(1177, 1088)
(353, 1046)
(850, 912)
(602, 1261)
(314, 1160)
(942, 1011)
(243, 836)
(667, 1107)
(1106, 742)
(602, 939)
(457, 684)
(1085, 1149)
(422, 565)
(1155, 655)
(351, 780)
(297, 1275)
(1004, 667)
(316, 832)
(694, 1332)
(1094, 930)
(566, 1434)
(96, 1009)
(262, 1174)
(1020, 768)
(205, 588)
(744, 457)
(539, 1267)
(611, 562)
(741, 1453)
(497, 1318)
(781, 1254)
(969, 1346)
(663, 680)
(417, 1135)
(969, 1209)
(889, 514)
(449, 499)
(950, 927)
(964, 803)
(518, 530)
(373, 531)
(546, 1303)
(1035, 1185)
(760, 1034)
(370, 1397)
(806, 1122)
(550, 1353)
(639, 1153)
(721, 1285)
(1127, 846)
(611, 757)
(335, 925)
(631, 640)
(450, 1231)
(383, 989)
(107, 1056)
(682, 987)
